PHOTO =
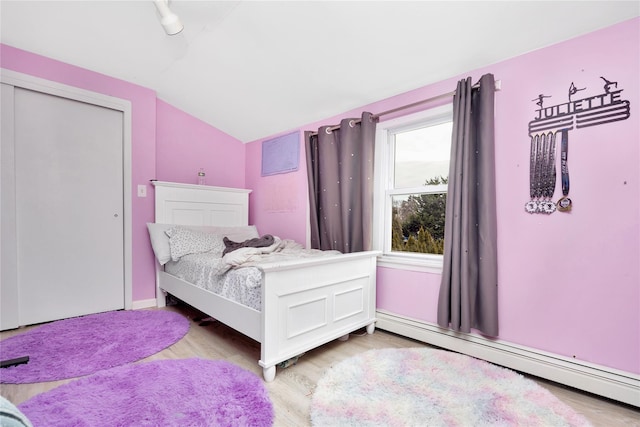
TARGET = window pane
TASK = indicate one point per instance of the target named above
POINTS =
(418, 223)
(422, 156)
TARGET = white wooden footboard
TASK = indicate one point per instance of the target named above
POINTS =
(310, 302)
(306, 303)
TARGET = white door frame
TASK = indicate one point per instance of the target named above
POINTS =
(58, 89)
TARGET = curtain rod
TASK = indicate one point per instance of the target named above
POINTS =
(497, 84)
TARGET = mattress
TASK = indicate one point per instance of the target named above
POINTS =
(242, 285)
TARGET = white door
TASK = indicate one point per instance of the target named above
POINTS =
(68, 207)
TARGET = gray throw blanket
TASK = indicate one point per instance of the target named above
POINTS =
(257, 242)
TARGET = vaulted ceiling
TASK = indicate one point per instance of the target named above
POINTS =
(256, 68)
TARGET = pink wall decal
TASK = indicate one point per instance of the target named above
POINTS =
(278, 203)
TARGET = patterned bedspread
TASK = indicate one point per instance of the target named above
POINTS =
(242, 285)
(237, 276)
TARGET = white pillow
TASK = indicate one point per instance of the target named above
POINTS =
(183, 241)
(160, 240)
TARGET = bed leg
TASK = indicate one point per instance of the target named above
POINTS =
(370, 328)
(269, 373)
(161, 298)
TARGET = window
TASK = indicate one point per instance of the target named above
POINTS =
(412, 172)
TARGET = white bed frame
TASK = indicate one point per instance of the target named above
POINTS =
(305, 303)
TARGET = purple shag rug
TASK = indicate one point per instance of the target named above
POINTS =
(83, 345)
(175, 392)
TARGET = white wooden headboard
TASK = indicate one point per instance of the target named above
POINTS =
(190, 204)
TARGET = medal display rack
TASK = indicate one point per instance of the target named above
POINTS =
(556, 121)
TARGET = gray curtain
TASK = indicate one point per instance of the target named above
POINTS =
(340, 175)
(469, 289)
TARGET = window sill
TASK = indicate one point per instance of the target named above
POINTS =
(412, 263)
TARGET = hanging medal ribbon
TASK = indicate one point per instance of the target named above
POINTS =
(542, 174)
(541, 160)
(532, 205)
(564, 204)
(548, 206)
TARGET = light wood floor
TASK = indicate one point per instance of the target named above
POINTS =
(293, 387)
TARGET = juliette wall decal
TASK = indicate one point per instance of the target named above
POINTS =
(556, 121)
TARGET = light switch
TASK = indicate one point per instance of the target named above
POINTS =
(142, 190)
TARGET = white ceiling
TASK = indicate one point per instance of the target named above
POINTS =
(256, 68)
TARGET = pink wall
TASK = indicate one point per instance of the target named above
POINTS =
(569, 282)
(143, 144)
(158, 130)
(278, 203)
(185, 144)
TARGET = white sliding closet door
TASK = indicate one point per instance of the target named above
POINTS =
(68, 207)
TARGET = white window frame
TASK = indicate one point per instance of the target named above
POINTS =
(384, 191)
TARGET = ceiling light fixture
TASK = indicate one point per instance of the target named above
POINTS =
(169, 20)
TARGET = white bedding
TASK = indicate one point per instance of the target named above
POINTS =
(236, 276)
(280, 250)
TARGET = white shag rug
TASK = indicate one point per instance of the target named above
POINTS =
(429, 387)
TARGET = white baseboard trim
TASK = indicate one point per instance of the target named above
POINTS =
(144, 303)
(601, 380)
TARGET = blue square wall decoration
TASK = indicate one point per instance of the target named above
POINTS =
(281, 154)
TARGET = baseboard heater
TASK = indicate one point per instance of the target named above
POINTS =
(601, 380)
